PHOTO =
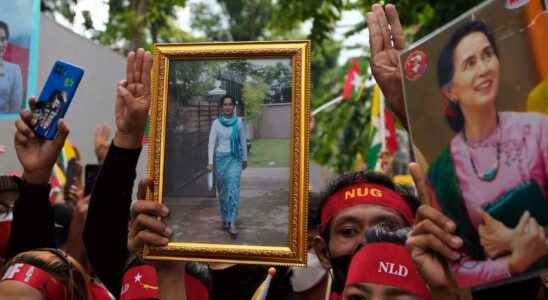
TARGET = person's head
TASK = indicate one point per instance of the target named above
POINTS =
(349, 206)
(4, 37)
(227, 104)
(469, 72)
(382, 269)
(44, 274)
(354, 202)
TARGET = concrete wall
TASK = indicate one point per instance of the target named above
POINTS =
(94, 100)
(275, 121)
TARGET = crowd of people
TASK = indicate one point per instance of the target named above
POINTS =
(369, 238)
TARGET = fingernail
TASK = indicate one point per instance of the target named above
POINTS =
(455, 255)
(168, 231)
(450, 225)
(164, 241)
(457, 240)
(165, 211)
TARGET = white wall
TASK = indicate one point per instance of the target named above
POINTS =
(94, 100)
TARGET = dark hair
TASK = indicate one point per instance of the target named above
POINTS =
(4, 25)
(313, 210)
(66, 271)
(222, 100)
(446, 67)
(363, 176)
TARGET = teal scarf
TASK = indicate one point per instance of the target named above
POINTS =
(235, 147)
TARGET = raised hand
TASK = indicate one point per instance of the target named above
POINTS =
(495, 237)
(432, 233)
(102, 141)
(133, 100)
(386, 42)
(37, 156)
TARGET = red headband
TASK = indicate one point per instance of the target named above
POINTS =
(140, 283)
(365, 193)
(387, 264)
(34, 277)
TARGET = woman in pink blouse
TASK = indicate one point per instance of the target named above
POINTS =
(495, 166)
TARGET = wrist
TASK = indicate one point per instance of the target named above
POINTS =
(515, 265)
(173, 270)
(36, 177)
(127, 140)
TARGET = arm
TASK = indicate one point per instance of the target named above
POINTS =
(243, 140)
(108, 212)
(171, 280)
(32, 225)
(212, 143)
(17, 90)
(108, 215)
(470, 272)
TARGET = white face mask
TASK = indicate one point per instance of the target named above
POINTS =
(307, 277)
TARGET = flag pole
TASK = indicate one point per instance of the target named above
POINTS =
(382, 129)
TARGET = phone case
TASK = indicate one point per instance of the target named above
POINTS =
(55, 98)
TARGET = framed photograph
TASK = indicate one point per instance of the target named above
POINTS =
(229, 150)
(476, 93)
(19, 34)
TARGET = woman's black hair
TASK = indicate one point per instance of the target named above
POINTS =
(446, 66)
(222, 100)
(4, 25)
(362, 176)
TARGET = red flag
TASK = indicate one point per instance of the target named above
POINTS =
(391, 138)
(350, 76)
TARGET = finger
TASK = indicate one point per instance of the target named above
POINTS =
(430, 242)
(124, 94)
(420, 183)
(138, 65)
(130, 66)
(24, 129)
(123, 83)
(383, 25)
(395, 25)
(62, 134)
(33, 104)
(429, 227)
(375, 36)
(487, 219)
(21, 139)
(150, 208)
(147, 68)
(145, 237)
(428, 212)
(523, 222)
(144, 185)
(534, 227)
(151, 224)
(27, 117)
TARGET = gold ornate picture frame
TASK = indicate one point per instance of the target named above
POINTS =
(270, 84)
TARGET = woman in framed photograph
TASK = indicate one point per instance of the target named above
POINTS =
(496, 165)
(11, 80)
(227, 157)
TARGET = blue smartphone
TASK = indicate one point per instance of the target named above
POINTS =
(55, 98)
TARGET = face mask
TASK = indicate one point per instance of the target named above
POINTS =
(340, 266)
(305, 278)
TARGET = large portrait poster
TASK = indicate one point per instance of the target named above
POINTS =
(476, 93)
(19, 32)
